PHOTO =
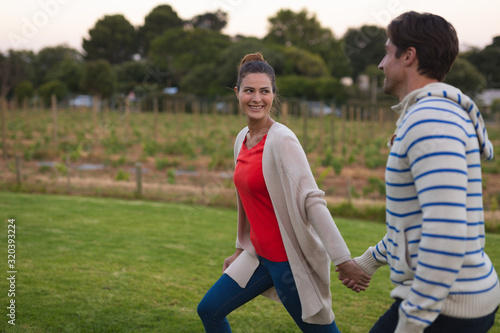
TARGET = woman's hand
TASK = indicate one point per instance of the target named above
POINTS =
(352, 276)
(229, 260)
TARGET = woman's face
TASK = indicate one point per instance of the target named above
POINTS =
(255, 96)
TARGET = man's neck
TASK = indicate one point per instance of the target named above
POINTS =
(417, 82)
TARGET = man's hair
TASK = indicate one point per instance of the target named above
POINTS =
(432, 36)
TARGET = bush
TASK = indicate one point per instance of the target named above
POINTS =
(368, 213)
(328, 159)
(23, 90)
(113, 144)
(376, 185)
(161, 163)
(373, 158)
(322, 176)
(61, 168)
(119, 162)
(337, 165)
(150, 147)
(122, 175)
(54, 87)
(171, 176)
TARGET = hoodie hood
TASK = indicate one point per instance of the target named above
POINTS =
(444, 90)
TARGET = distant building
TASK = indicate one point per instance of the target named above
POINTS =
(81, 101)
(486, 99)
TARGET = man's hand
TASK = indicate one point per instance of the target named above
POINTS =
(352, 276)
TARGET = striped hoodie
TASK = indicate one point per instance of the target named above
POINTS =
(435, 237)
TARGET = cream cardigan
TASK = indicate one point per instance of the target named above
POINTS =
(309, 233)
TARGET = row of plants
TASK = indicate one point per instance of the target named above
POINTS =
(179, 141)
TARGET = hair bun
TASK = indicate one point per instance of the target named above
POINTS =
(252, 57)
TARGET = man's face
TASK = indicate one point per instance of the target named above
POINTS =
(393, 70)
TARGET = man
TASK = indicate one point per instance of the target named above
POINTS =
(444, 281)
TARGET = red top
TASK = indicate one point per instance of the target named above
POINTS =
(249, 180)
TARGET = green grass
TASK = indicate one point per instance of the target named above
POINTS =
(107, 265)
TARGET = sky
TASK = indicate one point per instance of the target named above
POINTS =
(35, 24)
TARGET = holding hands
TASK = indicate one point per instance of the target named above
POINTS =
(352, 276)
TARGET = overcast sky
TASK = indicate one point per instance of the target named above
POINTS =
(34, 24)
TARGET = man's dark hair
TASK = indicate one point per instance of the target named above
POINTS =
(432, 36)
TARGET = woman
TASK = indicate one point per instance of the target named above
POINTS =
(286, 235)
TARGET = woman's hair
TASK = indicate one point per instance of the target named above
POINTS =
(255, 63)
(432, 36)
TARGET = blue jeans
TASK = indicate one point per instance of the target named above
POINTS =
(443, 324)
(226, 295)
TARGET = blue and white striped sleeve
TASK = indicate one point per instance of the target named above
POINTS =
(374, 257)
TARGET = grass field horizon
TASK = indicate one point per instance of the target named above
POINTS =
(109, 265)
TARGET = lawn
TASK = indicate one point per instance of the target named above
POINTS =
(108, 265)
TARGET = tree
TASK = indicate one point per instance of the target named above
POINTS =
(363, 47)
(99, 78)
(70, 72)
(329, 88)
(159, 20)
(15, 67)
(321, 88)
(213, 21)
(295, 86)
(50, 88)
(202, 81)
(304, 63)
(112, 38)
(134, 74)
(49, 58)
(304, 31)
(466, 77)
(487, 61)
(299, 29)
(333, 55)
(229, 59)
(179, 50)
(23, 91)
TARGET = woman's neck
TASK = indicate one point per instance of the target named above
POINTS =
(259, 128)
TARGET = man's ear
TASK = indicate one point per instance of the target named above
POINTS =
(410, 56)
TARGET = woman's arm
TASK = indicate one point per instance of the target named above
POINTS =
(314, 210)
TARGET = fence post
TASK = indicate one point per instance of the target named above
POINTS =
(344, 125)
(321, 124)
(127, 119)
(332, 130)
(374, 90)
(25, 104)
(54, 119)
(155, 117)
(18, 170)
(284, 113)
(68, 176)
(138, 175)
(34, 105)
(196, 111)
(3, 108)
(349, 191)
(305, 114)
(167, 117)
(95, 109)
